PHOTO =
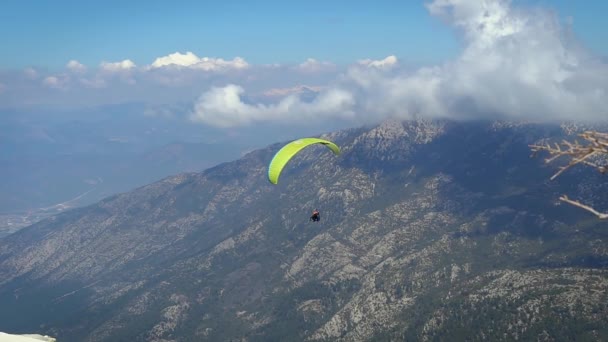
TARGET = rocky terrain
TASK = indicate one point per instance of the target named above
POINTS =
(430, 230)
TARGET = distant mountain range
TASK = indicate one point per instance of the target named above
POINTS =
(52, 158)
(430, 230)
(48, 161)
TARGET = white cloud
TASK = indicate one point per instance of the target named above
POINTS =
(76, 66)
(223, 107)
(191, 60)
(208, 64)
(56, 82)
(387, 62)
(177, 58)
(123, 71)
(313, 65)
(123, 65)
(517, 63)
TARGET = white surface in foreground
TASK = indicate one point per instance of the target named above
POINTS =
(4, 337)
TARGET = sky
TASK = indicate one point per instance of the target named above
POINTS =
(52, 32)
(237, 63)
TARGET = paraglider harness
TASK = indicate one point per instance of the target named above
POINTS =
(315, 216)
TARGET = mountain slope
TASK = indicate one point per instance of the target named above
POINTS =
(430, 230)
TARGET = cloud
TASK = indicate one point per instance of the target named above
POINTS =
(177, 58)
(516, 63)
(190, 60)
(123, 71)
(51, 81)
(313, 65)
(223, 107)
(123, 65)
(56, 82)
(76, 66)
(113, 81)
(387, 62)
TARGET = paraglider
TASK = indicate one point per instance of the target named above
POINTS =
(316, 217)
(281, 158)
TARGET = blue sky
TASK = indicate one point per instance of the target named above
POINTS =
(50, 33)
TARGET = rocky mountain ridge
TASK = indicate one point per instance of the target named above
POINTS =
(430, 230)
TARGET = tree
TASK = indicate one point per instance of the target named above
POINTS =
(597, 145)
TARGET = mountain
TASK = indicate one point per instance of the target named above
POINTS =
(47, 161)
(75, 180)
(430, 230)
(67, 159)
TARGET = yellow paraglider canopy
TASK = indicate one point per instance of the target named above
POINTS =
(281, 158)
